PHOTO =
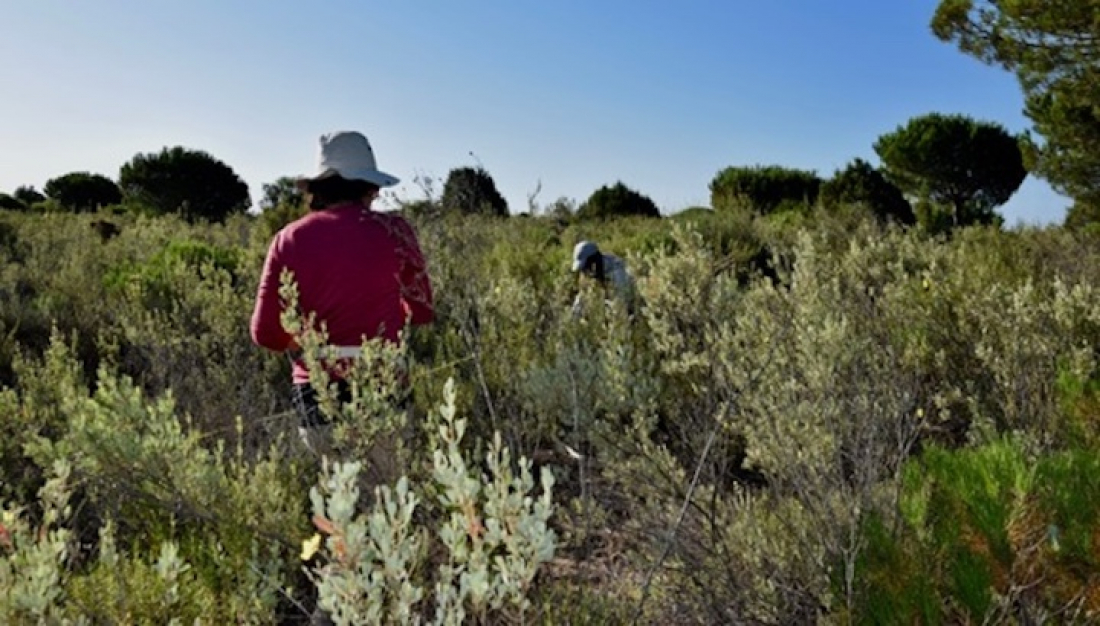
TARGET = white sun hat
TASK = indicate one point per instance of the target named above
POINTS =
(348, 154)
(581, 253)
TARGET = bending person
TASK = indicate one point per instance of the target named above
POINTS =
(607, 270)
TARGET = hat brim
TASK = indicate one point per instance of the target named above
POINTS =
(374, 177)
(583, 255)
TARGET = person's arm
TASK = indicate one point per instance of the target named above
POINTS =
(267, 327)
(416, 285)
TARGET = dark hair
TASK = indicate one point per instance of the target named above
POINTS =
(593, 266)
(337, 190)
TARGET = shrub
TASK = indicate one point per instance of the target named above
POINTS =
(28, 195)
(163, 282)
(283, 192)
(33, 557)
(83, 192)
(989, 534)
(733, 452)
(10, 248)
(282, 203)
(764, 189)
(861, 184)
(493, 535)
(1083, 213)
(472, 191)
(232, 519)
(693, 213)
(49, 205)
(420, 209)
(616, 201)
(561, 209)
(11, 203)
(188, 182)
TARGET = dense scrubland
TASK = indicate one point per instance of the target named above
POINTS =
(813, 416)
(853, 400)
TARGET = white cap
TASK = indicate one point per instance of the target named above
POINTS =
(581, 253)
(348, 154)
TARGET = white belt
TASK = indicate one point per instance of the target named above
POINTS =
(342, 352)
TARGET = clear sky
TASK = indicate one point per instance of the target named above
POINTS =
(572, 94)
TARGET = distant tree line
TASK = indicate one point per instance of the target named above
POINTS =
(177, 180)
(939, 171)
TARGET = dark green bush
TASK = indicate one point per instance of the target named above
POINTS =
(472, 191)
(28, 195)
(284, 192)
(617, 201)
(764, 189)
(861, 184)
(693, 213)
(191, 183)
(11, 203)
(83, 192)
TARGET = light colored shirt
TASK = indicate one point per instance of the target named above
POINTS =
(614, 271)
(618, 282)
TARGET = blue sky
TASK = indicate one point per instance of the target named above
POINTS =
(572, 94)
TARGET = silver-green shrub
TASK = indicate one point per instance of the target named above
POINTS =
(490, 531)
(234, 518)
(34, 557)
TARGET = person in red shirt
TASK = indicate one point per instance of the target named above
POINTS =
(359, 272)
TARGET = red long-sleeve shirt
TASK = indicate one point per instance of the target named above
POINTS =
(360, 272)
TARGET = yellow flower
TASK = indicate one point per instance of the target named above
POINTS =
(311, 546)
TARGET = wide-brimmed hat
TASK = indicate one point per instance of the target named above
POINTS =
(582, 252)
(348, 154)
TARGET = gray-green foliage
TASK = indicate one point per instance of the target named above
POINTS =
(375, 381)
(33, 557)
(490, 529)
(736, 442)
(372, 557)
(137, 463)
